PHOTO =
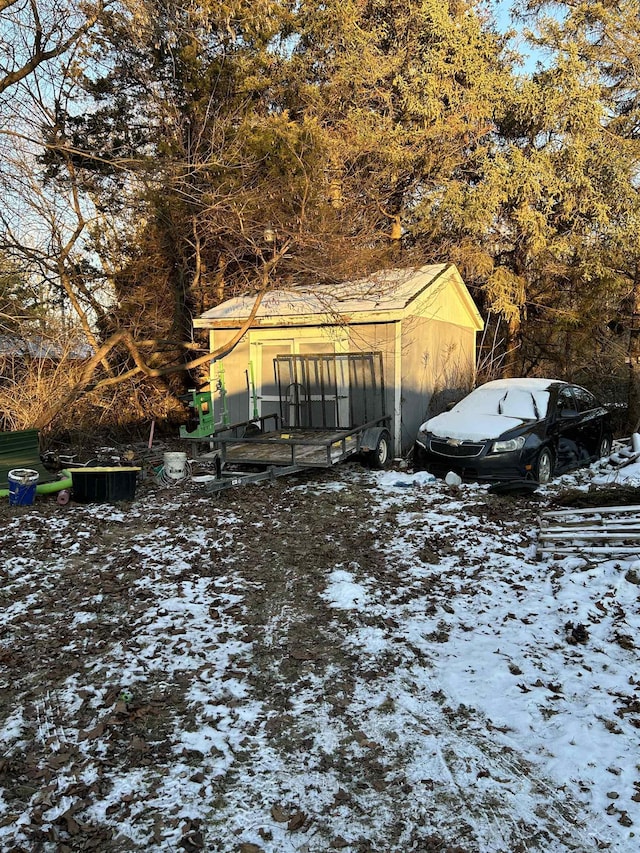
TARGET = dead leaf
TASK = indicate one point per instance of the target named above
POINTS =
(363, 740)
(92, 734)
(59, 760)
(279, 815)
(296, 821)
(302, 653)
(139, 745)
(72, 826)
(250, 848)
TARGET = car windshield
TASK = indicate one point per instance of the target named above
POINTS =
(518, 402)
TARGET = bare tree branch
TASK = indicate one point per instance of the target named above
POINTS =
(124, 338)
(39, 53)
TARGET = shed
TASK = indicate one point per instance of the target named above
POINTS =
(423, 322)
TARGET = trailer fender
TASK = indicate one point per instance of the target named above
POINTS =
(375, 445)
(370, 438)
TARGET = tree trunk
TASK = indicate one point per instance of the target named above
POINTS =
(513, 343)
(633, 356)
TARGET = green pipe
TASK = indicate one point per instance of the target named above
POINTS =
(254, 396)
(223, 395)
(47, 488)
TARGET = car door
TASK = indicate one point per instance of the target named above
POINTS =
(572, 441)
(590, 413)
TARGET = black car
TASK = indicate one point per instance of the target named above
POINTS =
(516, 429)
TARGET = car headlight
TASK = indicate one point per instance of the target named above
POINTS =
(422, 439)
(509, 445)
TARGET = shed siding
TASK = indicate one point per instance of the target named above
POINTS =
(235, 365)
(437, 357)
(361, 338)
(380, 337)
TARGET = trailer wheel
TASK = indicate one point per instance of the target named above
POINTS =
(379, 457)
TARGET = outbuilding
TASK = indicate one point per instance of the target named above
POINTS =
(421, 325)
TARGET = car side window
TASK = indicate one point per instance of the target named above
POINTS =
(585, 400)
(566, 401)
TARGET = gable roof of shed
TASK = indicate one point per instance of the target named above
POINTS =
(388, 292)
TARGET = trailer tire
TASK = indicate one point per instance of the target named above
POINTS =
(379, 457)
(251, 430)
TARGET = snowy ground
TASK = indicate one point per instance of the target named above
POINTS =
(357, 661)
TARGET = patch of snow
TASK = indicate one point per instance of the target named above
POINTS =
(344, 593)
(12, 726)
(628, 474)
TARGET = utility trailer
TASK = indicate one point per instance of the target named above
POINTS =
(329, 407)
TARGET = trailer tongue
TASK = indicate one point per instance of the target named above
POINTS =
(330, 407)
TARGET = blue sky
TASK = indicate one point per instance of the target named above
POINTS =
(502, 12)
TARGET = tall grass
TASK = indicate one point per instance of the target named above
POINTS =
(31, 384)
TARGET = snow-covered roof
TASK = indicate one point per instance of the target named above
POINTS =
(387, 292)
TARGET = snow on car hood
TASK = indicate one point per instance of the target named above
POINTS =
(460, 426)
(490, 411)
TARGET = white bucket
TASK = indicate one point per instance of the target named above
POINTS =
(175, 465)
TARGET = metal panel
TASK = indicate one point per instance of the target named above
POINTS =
(341, 390)
(21, 450)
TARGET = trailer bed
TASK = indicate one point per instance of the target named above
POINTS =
(310, 447)
(266, 456)
(330, 407)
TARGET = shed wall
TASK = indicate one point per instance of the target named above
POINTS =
(428, 358)
(377, 337)
(381, 337)
(438, 365)
(235, 365)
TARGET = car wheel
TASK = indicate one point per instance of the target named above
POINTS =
(605, 447)
(544, 466)
(379, 457)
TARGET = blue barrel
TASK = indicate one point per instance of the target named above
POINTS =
(22, 486)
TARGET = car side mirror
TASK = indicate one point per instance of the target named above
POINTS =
(567, 414)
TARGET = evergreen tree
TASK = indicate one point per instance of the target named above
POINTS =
(590, 93)
(344, 129)
(405, 94)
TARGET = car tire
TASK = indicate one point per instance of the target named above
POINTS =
(379, 457)
(604, 448)
(544, 466)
